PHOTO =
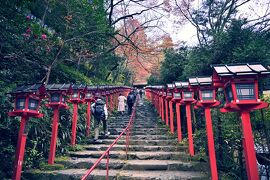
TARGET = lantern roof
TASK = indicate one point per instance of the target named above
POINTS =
(240, 69)
(184, 84)
(170, 86)
(78, 87)
(58, 87)
(37, 88)
(91, 88)
(199, 81)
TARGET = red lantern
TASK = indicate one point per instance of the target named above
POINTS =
(207, 99)
(188, 99)
(169, 98)
(27, 103)
(89, 97)
(240, 83)
(177, 99)
(76, 97)
(57, 100)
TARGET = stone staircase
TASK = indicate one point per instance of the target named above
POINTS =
(153, 154)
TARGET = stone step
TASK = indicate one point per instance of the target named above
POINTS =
(134, 164)
(139, 142)
(97, 174)
(87, 163)
(156, 130)
(159, 155)
(114, 132)
(140, 137)
(153, 142)
(158, 165)
(134, 126)
(103, 147)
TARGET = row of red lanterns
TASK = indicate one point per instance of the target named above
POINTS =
(28, 100)
(240, 85)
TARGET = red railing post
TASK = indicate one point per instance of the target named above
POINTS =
(127, 141)
(107, 165)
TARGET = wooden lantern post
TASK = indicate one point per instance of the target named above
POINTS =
(27, 103)
(207, 100)
(89, 98)
(240, 83)
(177, 100)
(76, 98)
(170, 90)
(57, 94)
(188, 99)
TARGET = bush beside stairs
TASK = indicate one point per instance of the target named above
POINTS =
(153, 154)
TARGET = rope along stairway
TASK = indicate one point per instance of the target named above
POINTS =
(152, 154)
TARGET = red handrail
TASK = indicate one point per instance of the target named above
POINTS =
(106, 153)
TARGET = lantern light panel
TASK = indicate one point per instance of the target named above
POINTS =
(240, 81)
(58, 92)
(28, 93)
(178, 84)
(170, 86)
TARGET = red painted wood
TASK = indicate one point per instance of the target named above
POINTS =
(189, 127)
(74, 124)
(88, 119)
(54, 136)
(17, 167)
(250, 155)
(211, 144)
(167, 112)
(178, 119)
(171, 116)
(162, 109)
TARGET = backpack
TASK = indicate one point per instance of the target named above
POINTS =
(130, 99)
(98, 110)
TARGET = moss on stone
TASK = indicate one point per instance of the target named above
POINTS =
(50, 167)
(75, 148)
(61, 158)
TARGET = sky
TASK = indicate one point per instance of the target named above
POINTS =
(187, 33)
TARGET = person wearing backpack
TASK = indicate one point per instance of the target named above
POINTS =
(130, 102)
(100, 113)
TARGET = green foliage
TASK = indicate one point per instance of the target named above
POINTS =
(73, 75)
(75, 47)
(172, 66)
(237, 44)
